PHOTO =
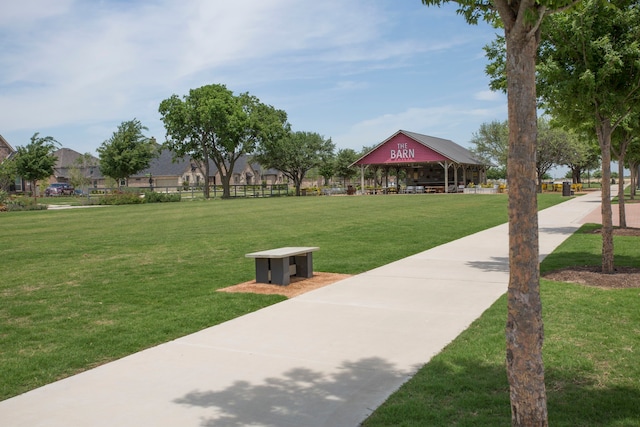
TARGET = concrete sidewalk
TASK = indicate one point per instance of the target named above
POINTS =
(325, 358)
(631, 210)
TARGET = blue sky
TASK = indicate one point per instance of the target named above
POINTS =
(355, 71)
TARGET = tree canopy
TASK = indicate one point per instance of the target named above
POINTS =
(491, 143)
(8, 173)
(127, 152)
(589, 77)
(555, 147)
(343, 161)
(295, 154)
(36, 160)
(584, 155)
(211, 123)
(80, 172)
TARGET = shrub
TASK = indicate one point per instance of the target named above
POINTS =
(119, 198)
(23, 204)
(153, 197)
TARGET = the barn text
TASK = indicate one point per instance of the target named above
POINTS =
(403, 152)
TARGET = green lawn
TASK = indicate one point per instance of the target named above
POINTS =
(591, 355)
(81, 287)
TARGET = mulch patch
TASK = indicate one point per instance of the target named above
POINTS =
(629, 231)
(621, 278)
(298, 285)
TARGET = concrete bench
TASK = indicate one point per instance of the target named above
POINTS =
(277, 265)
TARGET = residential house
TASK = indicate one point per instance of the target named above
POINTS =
(5, 149)
(165, 171)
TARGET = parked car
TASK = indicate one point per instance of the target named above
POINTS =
(59, 189)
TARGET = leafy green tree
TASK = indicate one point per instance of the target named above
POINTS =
(521, 20)
(621, 143)
(598, 174)
(584, 155)
(589, 74)
(127, 152)
(8, 173)
(295, 154)
(555, 146)
(344, 159)
(491, 146)
(491, 143)
(327, 168)
(211, 123)
(494, 173)
(80, 171)
(36, 160)
(633, 163)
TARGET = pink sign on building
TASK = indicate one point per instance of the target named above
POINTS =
(401, 149)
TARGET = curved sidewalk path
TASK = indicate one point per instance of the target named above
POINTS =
(325, 358)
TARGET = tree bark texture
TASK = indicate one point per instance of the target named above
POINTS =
(205, 164)
(524, 329)
(604, 131)
(633, 167)
(622, 214)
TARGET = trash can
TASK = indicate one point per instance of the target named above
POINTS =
(566, 189)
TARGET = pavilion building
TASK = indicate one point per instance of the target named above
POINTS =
(431, 164)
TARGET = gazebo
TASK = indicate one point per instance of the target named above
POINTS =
(431, 164)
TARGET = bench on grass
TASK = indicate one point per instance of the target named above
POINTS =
(278, 265)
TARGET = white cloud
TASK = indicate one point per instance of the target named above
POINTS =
(30, 12)
(87, 65)
(488, 95)
(446, 122)
(373, 131)
(91, 58)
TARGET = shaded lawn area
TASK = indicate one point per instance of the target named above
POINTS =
(81, 287)
(591, 355)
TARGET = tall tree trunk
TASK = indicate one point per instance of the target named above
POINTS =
(34, 188)
(225, 169)
(577, 179)
(539, 184)
(297, 182)
(633, 168)
(226, 184)
(205, 163)
(524, 329)
(604, 130)
(621, 209)
(625, 142)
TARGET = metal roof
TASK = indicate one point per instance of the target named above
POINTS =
(445, 147)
